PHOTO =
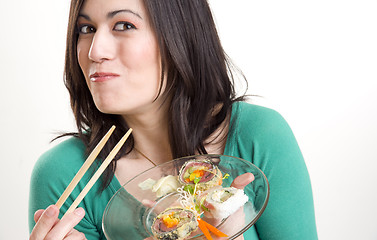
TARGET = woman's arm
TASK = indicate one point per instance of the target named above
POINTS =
(290, 211)
(262, 136)
(51, 174)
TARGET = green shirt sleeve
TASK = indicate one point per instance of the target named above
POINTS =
(262, 136)
(52, 173)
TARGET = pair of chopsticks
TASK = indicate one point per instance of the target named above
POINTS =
(88, 162)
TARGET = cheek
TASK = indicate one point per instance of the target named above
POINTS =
(144, 55)
(142, 64)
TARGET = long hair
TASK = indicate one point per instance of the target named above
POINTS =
(199, 80)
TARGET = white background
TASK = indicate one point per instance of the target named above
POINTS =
(313, 61)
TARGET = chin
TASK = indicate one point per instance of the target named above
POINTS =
(107, 108)
(113, 110)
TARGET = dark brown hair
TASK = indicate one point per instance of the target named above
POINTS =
(198, 77)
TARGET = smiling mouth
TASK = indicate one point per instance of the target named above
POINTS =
(102, 76)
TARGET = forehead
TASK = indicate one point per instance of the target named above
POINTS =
(104, 7)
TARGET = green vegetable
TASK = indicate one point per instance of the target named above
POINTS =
(197, 208)
(189, 189)
(205, 209)
(197, 180)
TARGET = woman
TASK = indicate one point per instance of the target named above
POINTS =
(159, 68)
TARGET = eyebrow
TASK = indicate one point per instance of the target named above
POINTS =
(112, 14)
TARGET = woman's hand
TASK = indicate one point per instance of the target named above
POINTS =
(48, 225)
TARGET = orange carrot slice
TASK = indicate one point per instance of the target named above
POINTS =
(204, 229)
(214, 230)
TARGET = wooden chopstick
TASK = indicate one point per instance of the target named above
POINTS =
(88, 162)
(99, 171)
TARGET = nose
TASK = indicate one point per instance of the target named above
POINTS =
(102, 47)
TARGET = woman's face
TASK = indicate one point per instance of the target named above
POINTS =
(119, 55)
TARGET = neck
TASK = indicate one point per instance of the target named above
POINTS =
(151, 134)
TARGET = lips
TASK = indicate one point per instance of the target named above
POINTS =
(102, 76)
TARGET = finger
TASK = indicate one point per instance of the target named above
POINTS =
(148, 203)
(66, 224)
(45, 222)
(38, 214)
(241, 181)
(75, 235)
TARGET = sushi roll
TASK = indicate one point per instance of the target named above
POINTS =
(203, 173)
(222, 202)
(174, 224)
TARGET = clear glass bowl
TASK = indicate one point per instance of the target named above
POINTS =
(131, 211)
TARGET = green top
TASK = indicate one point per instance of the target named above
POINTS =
(258, 134)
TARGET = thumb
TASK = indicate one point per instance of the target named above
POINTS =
(241, 181)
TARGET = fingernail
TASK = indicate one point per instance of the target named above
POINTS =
(50, 211)
(79, 212)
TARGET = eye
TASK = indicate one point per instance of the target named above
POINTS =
(123, 26)
(86, 29)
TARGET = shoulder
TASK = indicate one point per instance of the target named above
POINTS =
(262, 136)
(66, 154)
(70, 146)
(257, 121)
(257, 131)
(55, 169)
